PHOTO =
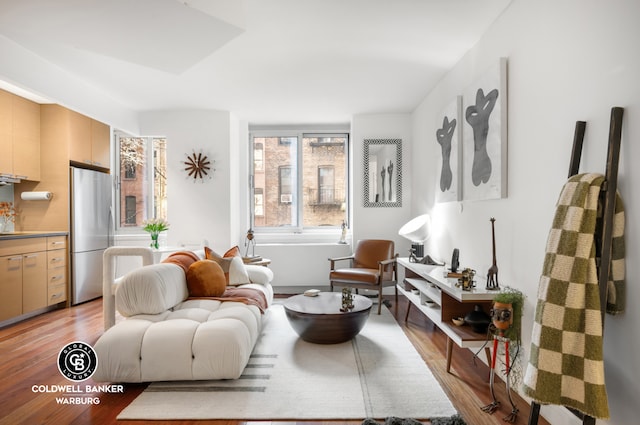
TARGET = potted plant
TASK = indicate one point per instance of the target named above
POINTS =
(507, 312)
(154, 226)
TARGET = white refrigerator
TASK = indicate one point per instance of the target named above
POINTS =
(91, 231)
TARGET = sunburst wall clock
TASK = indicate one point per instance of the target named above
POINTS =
(197, 166)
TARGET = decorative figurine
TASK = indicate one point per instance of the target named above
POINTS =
(347, 299)
(250, 242)
(343, 235)
(466, 280)
(382, 174)
(390, 172)
(492, 274)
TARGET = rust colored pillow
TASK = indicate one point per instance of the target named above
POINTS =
(233, 252)
(205, 278)
(182, 258)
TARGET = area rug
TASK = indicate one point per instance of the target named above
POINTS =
(376, 375)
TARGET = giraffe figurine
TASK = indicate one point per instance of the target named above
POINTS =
(492, 274)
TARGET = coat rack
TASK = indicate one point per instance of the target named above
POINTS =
(609, 188)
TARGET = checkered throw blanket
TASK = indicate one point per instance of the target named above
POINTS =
(566, 360)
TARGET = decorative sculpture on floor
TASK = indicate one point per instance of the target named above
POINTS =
(492, 274)
(506, 316)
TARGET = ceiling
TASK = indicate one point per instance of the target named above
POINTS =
(267, 61)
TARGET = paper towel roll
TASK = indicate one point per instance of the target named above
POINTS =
(36, 196)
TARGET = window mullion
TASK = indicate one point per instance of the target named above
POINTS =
(299, 184)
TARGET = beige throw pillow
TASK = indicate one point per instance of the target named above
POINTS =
(233, 267)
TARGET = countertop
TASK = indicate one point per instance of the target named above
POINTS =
(29, 234)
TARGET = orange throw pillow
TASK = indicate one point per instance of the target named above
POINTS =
(182, 258)
(205, 278)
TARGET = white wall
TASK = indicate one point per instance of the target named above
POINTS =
(381, 222)
(568, 61)
(202, 209)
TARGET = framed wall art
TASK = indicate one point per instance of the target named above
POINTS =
(382, 173)
(448, 136)
(484, 135)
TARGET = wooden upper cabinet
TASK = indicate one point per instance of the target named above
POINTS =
(100, 144)
(6, 132)
(89, 140)
(19, 136)
(26, 138)
(79, 138)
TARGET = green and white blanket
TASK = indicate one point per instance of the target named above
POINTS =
(566, 360)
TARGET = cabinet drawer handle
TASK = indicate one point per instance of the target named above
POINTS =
(56, 259)
(31, 256)
(57, 243)
(56, 277)
(14, 258)
(58, 295)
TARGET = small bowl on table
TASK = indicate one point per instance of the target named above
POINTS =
(458, 321)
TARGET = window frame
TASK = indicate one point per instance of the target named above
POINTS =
(149, 175)
(276, 234)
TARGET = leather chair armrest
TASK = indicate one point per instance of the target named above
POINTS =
(333, 260)
(382, 264)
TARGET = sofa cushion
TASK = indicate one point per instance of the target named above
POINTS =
(151, 289)
(205, 278)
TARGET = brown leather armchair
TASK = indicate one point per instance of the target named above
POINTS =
(373, 266)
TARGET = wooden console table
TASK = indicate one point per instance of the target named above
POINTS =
(440, 300)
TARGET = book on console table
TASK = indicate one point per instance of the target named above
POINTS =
(253, 259)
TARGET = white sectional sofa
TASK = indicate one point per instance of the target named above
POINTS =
(165, 336)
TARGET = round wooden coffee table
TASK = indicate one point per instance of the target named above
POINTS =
(319, 319)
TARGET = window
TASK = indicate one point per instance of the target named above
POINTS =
(141, 179)
(130, 210)
(258, 202)
(258, 161)
(326, 189)
(300, 180)
(285, 183)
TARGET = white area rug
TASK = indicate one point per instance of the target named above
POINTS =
(378, 374)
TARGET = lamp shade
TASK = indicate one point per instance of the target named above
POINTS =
(418, 229)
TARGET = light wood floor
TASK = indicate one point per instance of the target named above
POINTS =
(29, 350)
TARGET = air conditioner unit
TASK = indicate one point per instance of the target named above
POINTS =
(286, 198)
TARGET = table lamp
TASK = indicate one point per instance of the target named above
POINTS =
(417, 231)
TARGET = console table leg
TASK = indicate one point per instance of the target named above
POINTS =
(449, 352)
(487, 352)
(406, 316)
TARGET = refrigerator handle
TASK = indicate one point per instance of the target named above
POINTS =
(111, 230)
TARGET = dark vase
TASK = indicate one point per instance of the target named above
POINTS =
(478, 320)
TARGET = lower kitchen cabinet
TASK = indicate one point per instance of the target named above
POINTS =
(33, 274)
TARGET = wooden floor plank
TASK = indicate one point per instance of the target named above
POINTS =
(29, 350)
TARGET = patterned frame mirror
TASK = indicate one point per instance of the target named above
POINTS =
(382, 173)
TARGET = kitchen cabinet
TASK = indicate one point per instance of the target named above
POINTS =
(34, 281)
(33, 274)
(6, 142)
(88, 140)
(26, 138)
(19, 136)
(10, 286)
(57, 271)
